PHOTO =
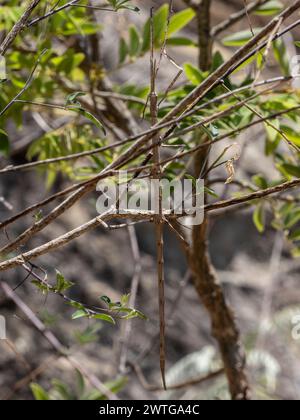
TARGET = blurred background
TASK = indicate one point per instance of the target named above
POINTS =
(260, 278)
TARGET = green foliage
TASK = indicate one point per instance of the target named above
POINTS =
(66, 84)
(270, 8)
(4, 143)
(240, 38)
(80, 392)
(259, 217)
(61, 283)
(122, 4)
(138, 42)
(122, 308)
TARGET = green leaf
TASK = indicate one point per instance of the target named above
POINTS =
(104, 317)
(61, 283)
(134, 41)
(296, 252)
(259, 218)
(272, 134)
(89, 116)
(62, 390)
(140, 314)
(217, 61)
(180, 20)
(291, 134)
(210, 192)
(260, 181)
(80, 382)
(292, 218)
(123, 51)
(79, 314)
(240, 38)
(291, 169)
(295, 236)
(270, 8)
(194, 75)
(38, 216)
(44, 288)
(105, 299)
(4, 143)
(181, 42)
(159, 28)
(125, 299)
(72, 98)
(39, 393)
(282, 56)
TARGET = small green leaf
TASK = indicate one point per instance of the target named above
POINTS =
(89, 116)
(259, 218)
(270, 8)
(210, 192)
(282, 56)
(62, 390)
(44, 288)
(260, 181)
(105, 299)
(291, 134)
(72, 98)
(39, 393)
(4, 143)
(159, 23)
(295, 236)
(296, 252)
(134, 41)
(123, 51)
(194, 75)
(125, 299)
(104, 317)
(79, 314)
(179, 41)
(240, 38)
(38, 216)
(61, 283)
(179, 20)
(80, 382)
(291, 169)
(141, 315)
